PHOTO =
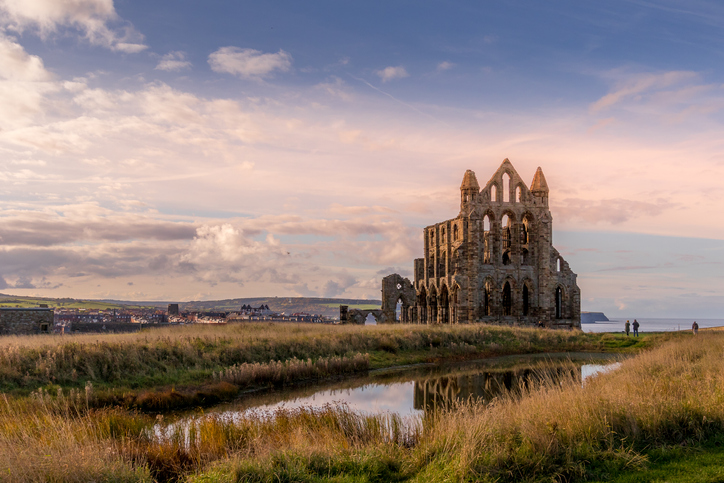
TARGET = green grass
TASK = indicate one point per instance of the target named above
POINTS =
(703, 464)
(30, 302)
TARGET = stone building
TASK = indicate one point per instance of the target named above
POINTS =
(494, 262)
(25, 321)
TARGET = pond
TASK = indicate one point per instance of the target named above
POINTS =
(415, 389)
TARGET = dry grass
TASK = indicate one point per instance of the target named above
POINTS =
(55, 440)
(672, 395)
(190, 354)
(545, 431)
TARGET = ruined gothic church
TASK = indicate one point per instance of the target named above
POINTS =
(493, 263)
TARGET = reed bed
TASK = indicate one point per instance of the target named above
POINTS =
(191, 354)
(55, 439)
(285, 372)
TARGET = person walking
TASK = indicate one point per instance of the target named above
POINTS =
(636, 328)
(695, 328)
(627, 326)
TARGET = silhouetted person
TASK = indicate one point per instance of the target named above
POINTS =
(627, 326)
(695, 328)
(636, 328)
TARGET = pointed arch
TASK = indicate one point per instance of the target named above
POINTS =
(444, 308)
(454, 304)
(486, 298)
(432, 305)
(507, 298)
(559, 301)
(506, 187)
(422, 305)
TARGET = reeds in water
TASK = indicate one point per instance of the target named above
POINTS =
(285, 372)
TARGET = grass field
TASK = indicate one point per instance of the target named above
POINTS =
(182, 356)
(25, 302)
(658, 418)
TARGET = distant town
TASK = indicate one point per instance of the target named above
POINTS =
(128, 320)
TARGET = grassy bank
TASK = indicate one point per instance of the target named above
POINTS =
(650, 415)
(188, 356)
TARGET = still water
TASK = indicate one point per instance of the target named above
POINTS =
(413, 390)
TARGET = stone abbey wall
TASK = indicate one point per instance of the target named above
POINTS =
(494, 262)
(21, 321)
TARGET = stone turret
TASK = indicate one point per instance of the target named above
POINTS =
(469, 190)
(539, 187)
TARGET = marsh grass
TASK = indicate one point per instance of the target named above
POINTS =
(190, 355)
(546, 429)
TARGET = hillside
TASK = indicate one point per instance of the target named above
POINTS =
(324, 306)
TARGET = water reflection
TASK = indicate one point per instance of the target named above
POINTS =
(483, 387)
(413, 390)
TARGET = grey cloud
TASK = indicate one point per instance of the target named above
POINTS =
(39, 232)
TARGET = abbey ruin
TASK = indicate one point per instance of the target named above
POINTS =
(493, 263)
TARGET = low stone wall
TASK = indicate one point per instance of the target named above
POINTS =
(17, 321)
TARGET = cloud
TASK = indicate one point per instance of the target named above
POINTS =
(389, 73)
(639, 84)
(442, 66)
(173, 61)
(91, 17)
(249, 63)
(18, 65)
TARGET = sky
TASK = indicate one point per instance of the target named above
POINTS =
(180, 150)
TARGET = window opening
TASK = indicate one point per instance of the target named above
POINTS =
(558, 265)
(441, 268)
(493, 193)
(525, 257)
(518, 194)
(507, 300)
(506, 257)
(370, 320)
(455, 233)
(442, 235)
(487, 302)
(506, 188)
(431, 267)
(559, 303)
(525, 300)
(506, 232)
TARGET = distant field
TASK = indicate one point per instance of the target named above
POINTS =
(25, 302)
(325, 306)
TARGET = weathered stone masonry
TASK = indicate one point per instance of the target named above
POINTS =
(493, 263)
(21, 321)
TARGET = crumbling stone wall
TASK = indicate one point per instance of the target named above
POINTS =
(359, 316)
(25, 321)
(395, 289)
(495, 261)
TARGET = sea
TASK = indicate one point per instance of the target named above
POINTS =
(650, 325)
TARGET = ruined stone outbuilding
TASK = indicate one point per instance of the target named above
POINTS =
(493, 263)
(25, 321)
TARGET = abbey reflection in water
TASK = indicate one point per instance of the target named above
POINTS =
(442, 392)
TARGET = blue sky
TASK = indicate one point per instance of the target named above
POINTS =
(177, 150)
